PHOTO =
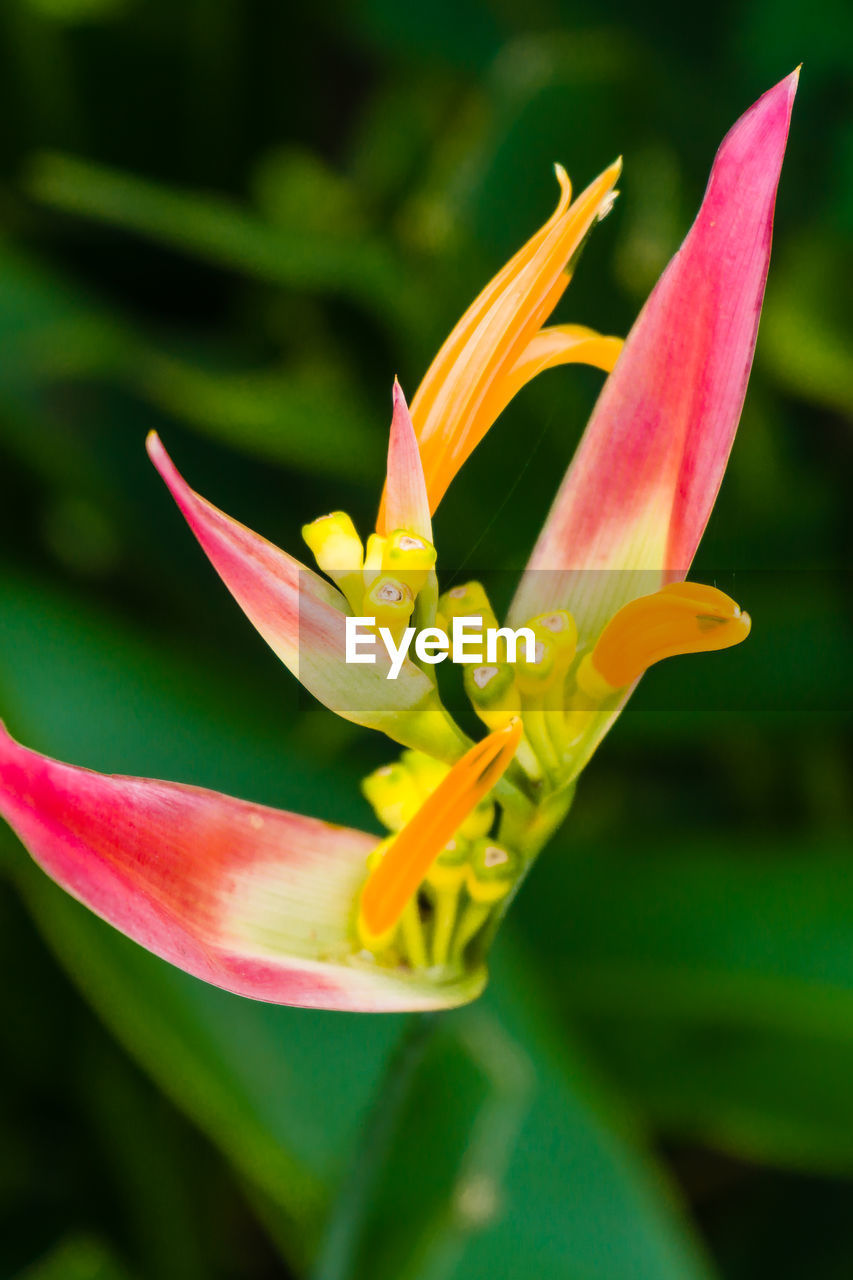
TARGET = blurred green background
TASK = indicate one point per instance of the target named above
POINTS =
(235, 221)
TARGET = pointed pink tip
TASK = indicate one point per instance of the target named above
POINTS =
(164, 464)
(398, 396)
(789, 84)
(401, 418)
(169, 473)
(156, 452)
(778, 98)
(747, 165)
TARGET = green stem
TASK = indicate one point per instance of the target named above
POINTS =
(446, 906)
(536, 720)
(474, 916)
(430, 728)
(529, 835)
(412, 934)
(351, 1210)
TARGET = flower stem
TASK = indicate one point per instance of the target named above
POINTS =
(338, 1256)
(412, 934)
(473, 917)
(446, 906)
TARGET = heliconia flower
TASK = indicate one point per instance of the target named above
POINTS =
(285, 908)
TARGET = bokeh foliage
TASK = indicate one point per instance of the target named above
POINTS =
(235, 220)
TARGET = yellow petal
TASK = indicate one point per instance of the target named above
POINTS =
(683, 617)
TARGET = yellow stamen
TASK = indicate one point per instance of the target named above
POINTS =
(558, 629)
(426, 772)
(560, 625)
(544, 700)
(448, 870)
(373, 559)
(407, 861)
(335, 543)
(492, 871)
(412, 935)
(493, 692)
(533, 677)
(683, 617)
(495, 697)
(539, 681)
(467, 601)
(474, 917)
(338, 551)
(445, 880)
(393, 793)
(391, 603)
(479, 821)
(408, 557)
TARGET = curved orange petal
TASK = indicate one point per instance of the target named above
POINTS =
(555, 345)
(415, 848)
(447, 410)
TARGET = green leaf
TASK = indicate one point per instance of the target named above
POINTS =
(494, 1146)
(281, 1091)
(73, 11)
(80, 1258)
(716, 987)
(308, 415)
(309, 418)
(765, 1095)
(219, 231)
(805, 342)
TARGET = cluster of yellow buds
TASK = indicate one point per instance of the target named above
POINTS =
(529, 678)
(382, 580)
(462, 887)
(436, 887)
(396, 792)
(560, 689)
